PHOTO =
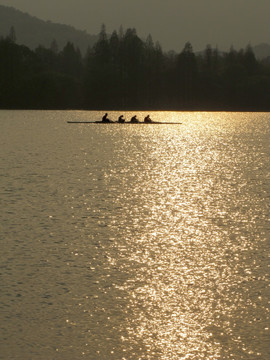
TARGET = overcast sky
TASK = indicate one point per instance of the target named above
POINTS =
(171, 22)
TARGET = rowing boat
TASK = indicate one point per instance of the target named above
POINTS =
(124, 123)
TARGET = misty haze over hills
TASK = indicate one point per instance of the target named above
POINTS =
(32, 32)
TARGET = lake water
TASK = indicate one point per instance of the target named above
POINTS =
(129, 242)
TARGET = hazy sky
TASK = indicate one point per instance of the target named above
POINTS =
(171, 22)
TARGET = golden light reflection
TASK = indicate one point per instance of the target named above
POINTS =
(191, 214)
(135, 242)
(172, 217)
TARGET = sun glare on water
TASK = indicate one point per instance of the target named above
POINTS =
(136, 242)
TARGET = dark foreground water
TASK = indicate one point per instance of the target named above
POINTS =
(129, 242)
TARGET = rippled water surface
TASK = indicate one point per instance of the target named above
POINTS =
(129, 242)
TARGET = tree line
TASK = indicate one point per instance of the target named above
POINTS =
(122, 71)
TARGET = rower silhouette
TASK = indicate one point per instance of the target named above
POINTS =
(134, 119)
(147, 119)
(121, 119)
(105, 118)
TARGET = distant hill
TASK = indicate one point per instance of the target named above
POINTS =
(261, 51)
(32, 32)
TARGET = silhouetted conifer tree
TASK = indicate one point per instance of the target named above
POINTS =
(133, 50)
(71, 61)
(121, 32)
(12, 35)
(54, 46)
(98, 73)
(250, 61)
(187, 76)
(101, 48)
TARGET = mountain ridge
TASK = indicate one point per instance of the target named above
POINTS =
(32, 31)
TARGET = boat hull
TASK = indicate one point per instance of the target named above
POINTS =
(124, 123)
